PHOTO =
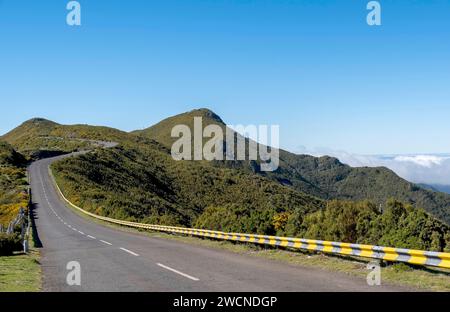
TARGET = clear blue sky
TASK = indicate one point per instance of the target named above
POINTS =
(313, 67)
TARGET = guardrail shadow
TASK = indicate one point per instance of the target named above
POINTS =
(36, 240)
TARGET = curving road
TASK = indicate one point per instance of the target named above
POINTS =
(114, 260)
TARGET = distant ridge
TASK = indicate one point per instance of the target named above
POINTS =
(436, 187)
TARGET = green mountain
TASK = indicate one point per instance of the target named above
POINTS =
(139, 180)
(323, 177)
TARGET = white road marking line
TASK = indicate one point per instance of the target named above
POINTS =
(105, 242)
(81, 232)
(91, 237)
(130, 252)
(178, 272)
(48, 201)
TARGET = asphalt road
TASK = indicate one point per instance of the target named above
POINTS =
(115, 260)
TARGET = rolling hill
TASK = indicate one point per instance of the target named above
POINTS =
(38, 137)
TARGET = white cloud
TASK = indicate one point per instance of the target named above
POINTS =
(422, 160)
(428, 169)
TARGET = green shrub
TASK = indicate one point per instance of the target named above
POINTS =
(400, 225)
(9, 244)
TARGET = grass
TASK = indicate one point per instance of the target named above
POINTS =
(20, 272)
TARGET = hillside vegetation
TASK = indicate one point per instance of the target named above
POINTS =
(144, 183)
(308, 197)
(13, 183)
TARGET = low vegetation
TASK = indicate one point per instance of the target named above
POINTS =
(13, 183)
(9, 243)
(20, 272)
(399, 225)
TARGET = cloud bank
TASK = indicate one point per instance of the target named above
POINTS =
(432, 169)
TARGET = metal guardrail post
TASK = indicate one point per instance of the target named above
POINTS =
(26, 248)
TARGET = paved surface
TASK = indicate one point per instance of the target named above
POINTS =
(114, 260)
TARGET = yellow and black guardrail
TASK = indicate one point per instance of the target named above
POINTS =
(418, 257)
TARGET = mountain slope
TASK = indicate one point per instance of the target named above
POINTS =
(324, 177)
(144, 183)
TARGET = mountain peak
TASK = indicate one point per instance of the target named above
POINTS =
(39, 121)
(161, 132)
(205, 112)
